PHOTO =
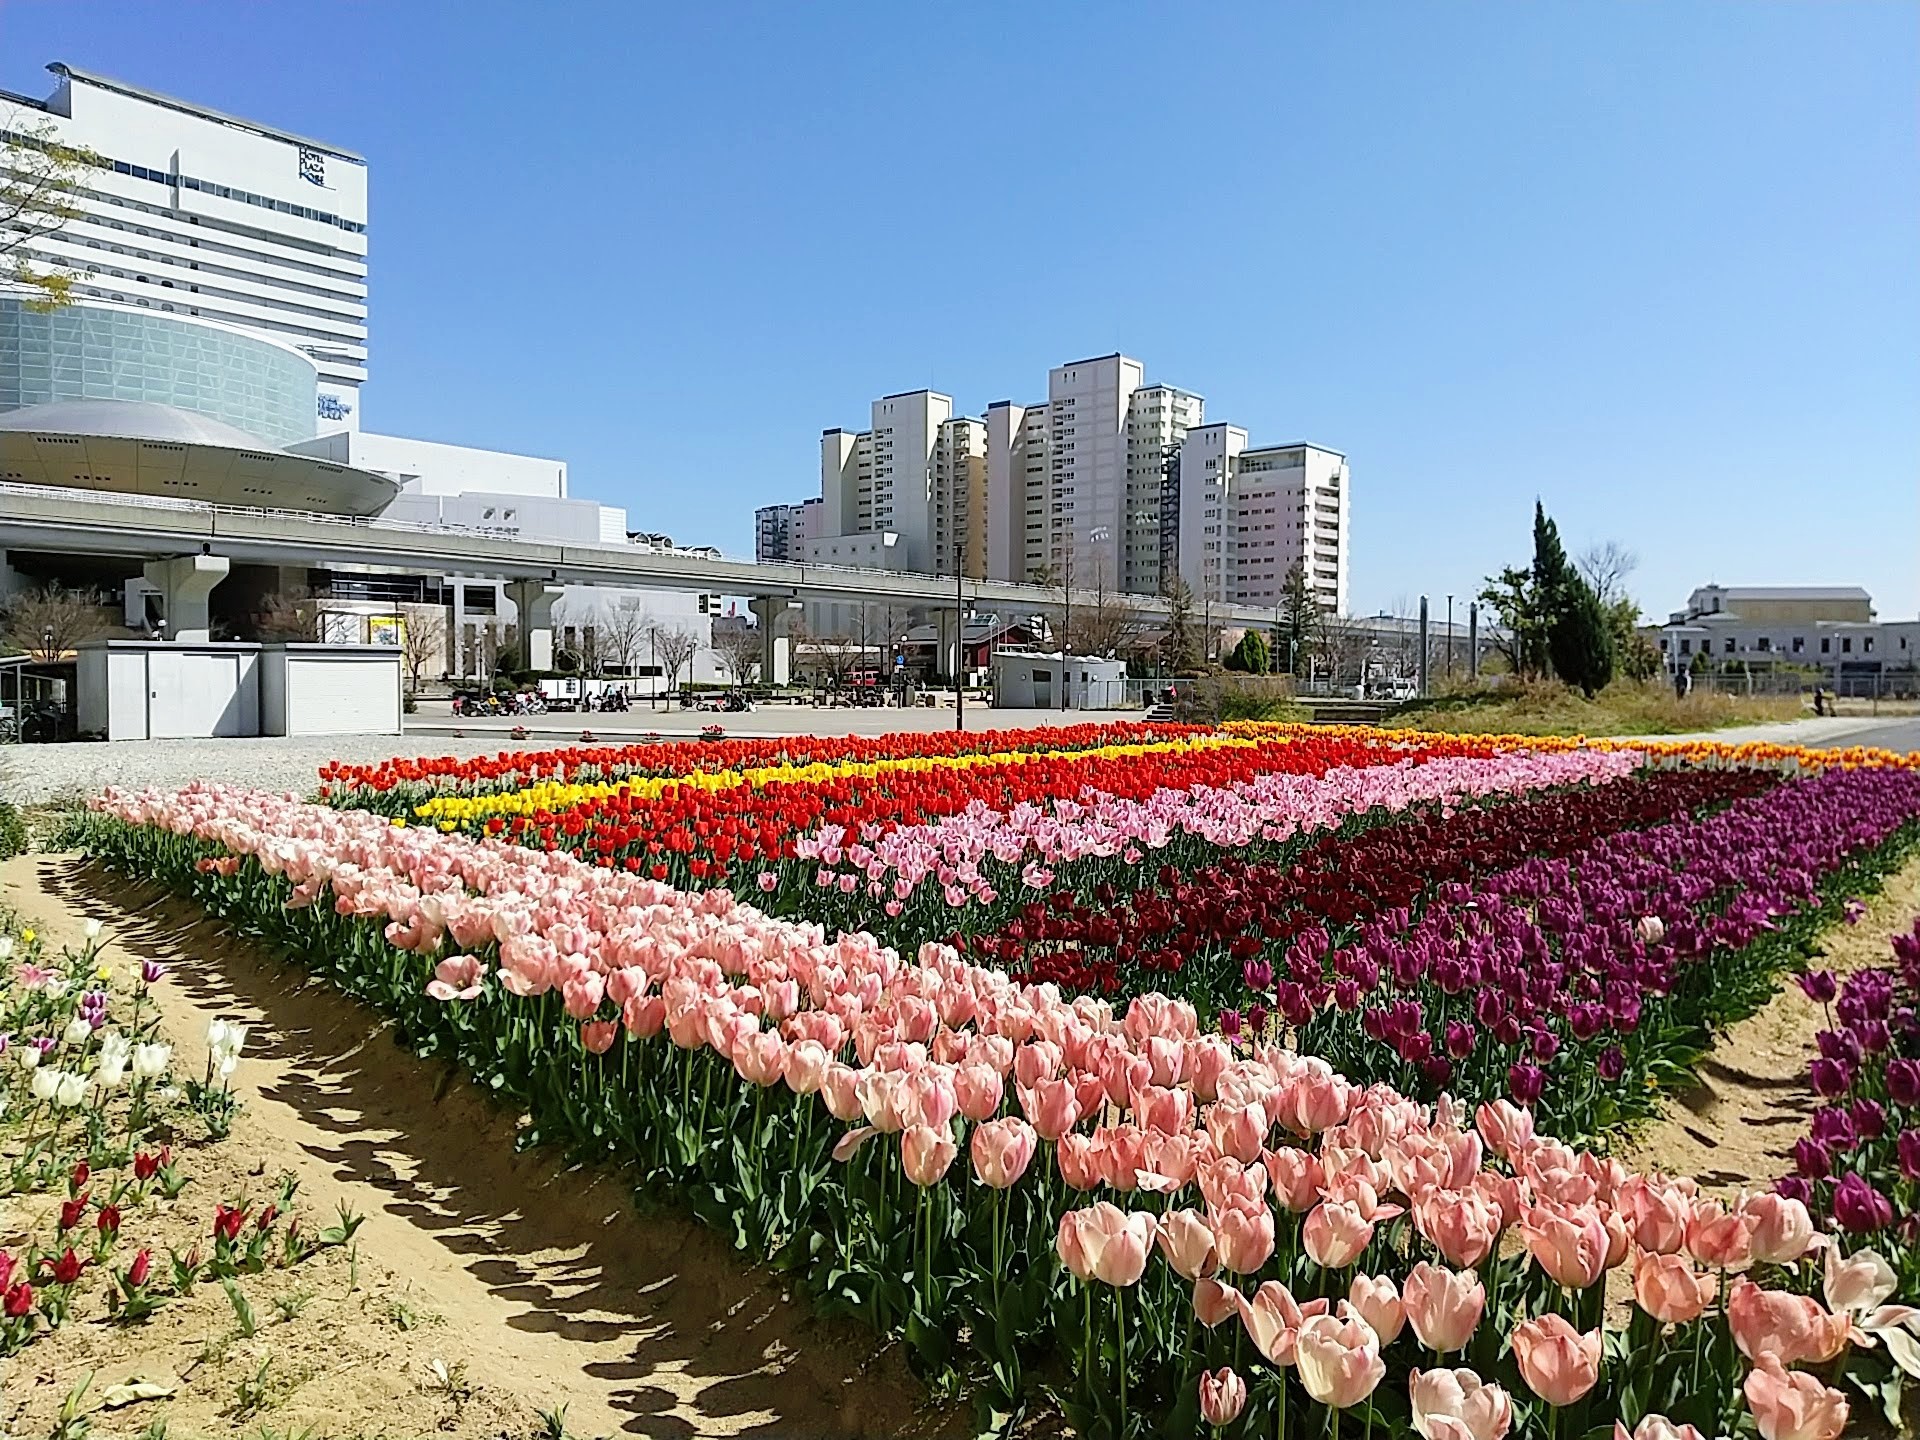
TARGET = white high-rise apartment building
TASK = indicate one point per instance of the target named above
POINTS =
(1247, 516)
(779, 530)
(197, 213)
(1075, 484)
(919, 473)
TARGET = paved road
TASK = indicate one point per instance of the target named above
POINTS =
(1897, 733)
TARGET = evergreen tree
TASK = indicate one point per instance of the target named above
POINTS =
(1250, 655)
(1300, 621)
(1179, 650)
(1579, 640)
(1549, 595)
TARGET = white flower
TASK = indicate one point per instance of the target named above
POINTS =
(45, 1083)
(56, 986)
(1858, 1287)
(6, 947)
(94, 927)
(168, 1094)
(1651, 929)
(29, 1057)
(115, 1051)
(225, 1040)
(150, 1061)
(73, 1090)
(78, 1031)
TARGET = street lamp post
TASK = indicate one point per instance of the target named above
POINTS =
(46, 644)
(1449, 665)
(959, 640)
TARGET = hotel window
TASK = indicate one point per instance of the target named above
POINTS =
(1799, 643)
(1846, 645)
(1826, 644)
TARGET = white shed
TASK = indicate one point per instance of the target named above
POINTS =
(1033, 679)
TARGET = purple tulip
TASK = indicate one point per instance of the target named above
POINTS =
(1794, 1188)
(1859, 1208)
(1820, 986)
(152, 972)
(1258, 974)
(1839, 1045)
(1831, 1077)
(1546, 1045)
(1903, 1081)
(1909, 1146)
(1525, 1082)
(1833, 1127)
(1869, 1119)
(1459, 1039)
(1257, 1015)
(1811, 1158)
(1230, 1024)
(1612, 1064)
(1874, 1035)
(1437, 1070)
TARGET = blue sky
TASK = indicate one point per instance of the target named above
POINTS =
(1655, 263)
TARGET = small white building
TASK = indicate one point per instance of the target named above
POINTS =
(1033, 679)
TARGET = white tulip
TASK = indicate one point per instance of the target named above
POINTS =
(29, 1057)
(150, 1061)
(45, 1083)
(73, 1090)
(94, 927)
(6, 947)
(78, 1031)
(57, 985)
(110, 1074)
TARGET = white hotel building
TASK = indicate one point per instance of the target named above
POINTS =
(221, 269)
(197, 213)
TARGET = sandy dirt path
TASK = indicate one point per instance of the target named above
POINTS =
(541, 1280)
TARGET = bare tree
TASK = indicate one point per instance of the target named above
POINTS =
(623, 632)
(1606, 567)
(290, 615)
(50, 621)
(675, 646)
(38, 179)
(423, 640)
(738, 648)
(1113, 625)
(838, 655)
(1343, 646)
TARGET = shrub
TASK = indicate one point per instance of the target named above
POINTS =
(13, 831)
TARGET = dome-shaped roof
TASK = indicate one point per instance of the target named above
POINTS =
(130, 420)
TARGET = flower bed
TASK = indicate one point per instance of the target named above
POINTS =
(1858, 1166)
(397, 786)
(1288, 1247)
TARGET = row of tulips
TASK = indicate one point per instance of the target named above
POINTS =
(697, 834)
(1858, 1166)
(397, 786)
(1762, 753)
(992, 865)
(1281, 1247)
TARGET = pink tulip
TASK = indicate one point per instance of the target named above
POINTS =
(1244, 1236)
(1559, 1363)
(1002, 1149)
(1297, 1177)
(1106, 1243)
(1051, 1108)
(1443, 1306)
(1034, 1062)
(1339, 1360)
(1718, 1237)
(598, 1035)
(644, 1016)
(806, 1066)
(1507, 1129)
(1376, 1301)
(1790, 1405)
(582, 994)
(1078, 1157)
(1569, 1242)
(1214, 1302)
(1782, 1229)
(925, 1153)
(1656, 1427)
(1857, 1283)
(626, 983)
(1238, 1130)
(1273, 1319)
(1313, 1101)
(1669, 1290)
(1223, 1395)
(1187, 1241)
(761, 1058)
(840, 1088)
(1657, 1213)
(1458, 1405)
(1795, 1328)
(1335, 1234)
(1461, 1225)
(978, 1088)
(457, 978)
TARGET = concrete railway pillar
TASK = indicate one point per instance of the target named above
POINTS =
(775, 650)
(184, 583)
(533, 602)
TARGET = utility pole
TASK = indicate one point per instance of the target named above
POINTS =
(1449, 637)
(1066, 624)
(1473, 640)
(959, 640)
(1424, 657)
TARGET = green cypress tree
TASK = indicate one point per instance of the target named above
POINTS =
(1550, 594)
(1579, 641)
